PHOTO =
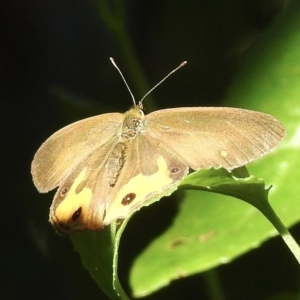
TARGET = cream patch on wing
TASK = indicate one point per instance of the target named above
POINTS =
(224, 153)
(73, 201)
(139, 189)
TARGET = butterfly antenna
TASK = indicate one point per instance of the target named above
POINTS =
(176, 69)
(114, 64)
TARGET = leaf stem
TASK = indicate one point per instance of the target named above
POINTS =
(266, 209)
(213, 284)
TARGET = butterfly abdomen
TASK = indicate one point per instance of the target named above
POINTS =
(115, 163)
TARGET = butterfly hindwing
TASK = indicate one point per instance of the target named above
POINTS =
(150, 169)
(81, 199)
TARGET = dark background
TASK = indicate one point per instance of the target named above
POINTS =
(55, 69)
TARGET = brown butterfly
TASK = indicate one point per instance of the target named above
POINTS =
(108, 166)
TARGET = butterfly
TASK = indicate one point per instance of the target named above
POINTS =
(107, 166)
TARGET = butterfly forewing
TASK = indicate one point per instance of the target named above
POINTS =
(68, 147)
(207, 137)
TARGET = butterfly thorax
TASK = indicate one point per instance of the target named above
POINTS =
(133, 123)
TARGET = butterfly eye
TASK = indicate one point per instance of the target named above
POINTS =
(76, 214)
(128, 198)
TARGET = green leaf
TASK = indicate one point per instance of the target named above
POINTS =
(99, 255)
(208, 230)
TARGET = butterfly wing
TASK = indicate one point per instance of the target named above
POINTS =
(103, 177)
(148, 171)
(81, 199)
(86, 200)
(62, 152)
(215, 137)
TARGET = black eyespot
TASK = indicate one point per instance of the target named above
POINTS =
(175, 170)
(64, 191)
(76, 214)
(128, 198)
